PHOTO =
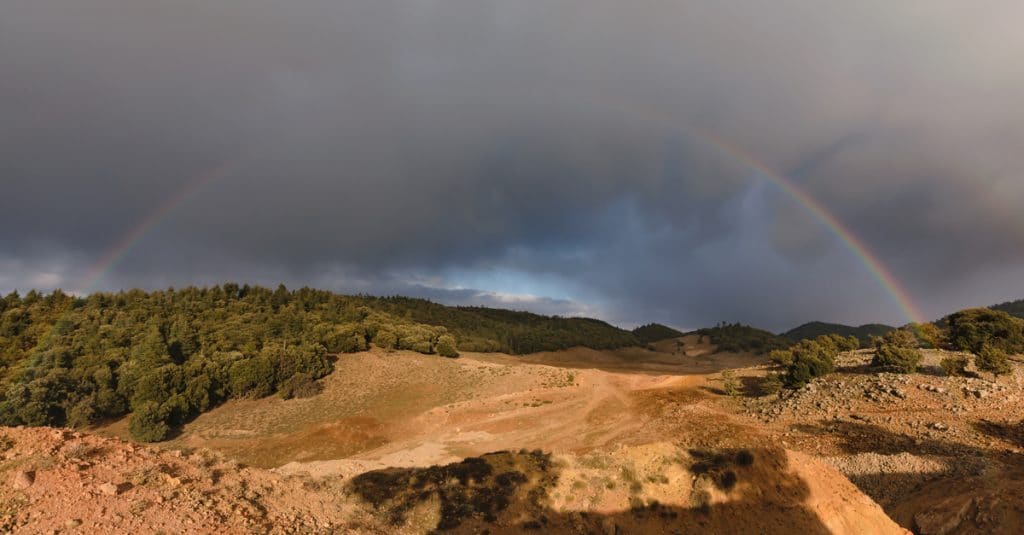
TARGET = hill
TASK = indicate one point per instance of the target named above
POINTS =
(655, 332)
(1013, 308)
(815, 329)
(497, 330)
(737, 338)
(166, 356)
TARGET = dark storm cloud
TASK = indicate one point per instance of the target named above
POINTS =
(551, 156)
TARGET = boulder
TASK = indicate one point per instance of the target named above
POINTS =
(23, 480)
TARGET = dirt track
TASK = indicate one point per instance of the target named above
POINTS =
(632, 440)
(381, 412)
(406, 409)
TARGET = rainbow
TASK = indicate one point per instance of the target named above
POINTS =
(117, 251)
(871, 261)
(852, 242)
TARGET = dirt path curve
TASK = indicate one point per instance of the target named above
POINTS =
(597, 410)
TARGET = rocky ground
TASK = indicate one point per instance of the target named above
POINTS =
(616, 442)
(897, 436)
(58, 481)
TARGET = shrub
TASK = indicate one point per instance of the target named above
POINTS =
(252, 377)
(954, 365)
(147, 422)
(897, 351)
(446, 346)
(730, 385)
(781, 357)
(811, 358)
(350, 338)
(386, 339)
(994, 360)
(930, 335)
(974, 328)
(300, 385)
(81, 414)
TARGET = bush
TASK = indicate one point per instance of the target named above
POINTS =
(730, 385)
(300, 385)
(974, 328)
(930, 335)
(954, 365)
(897, 351)
(148, 422)
(446, 346)
(811, 359)
(81, 414)
(350, 338)
(252, 377)
(386, 339)
(994, 360)
(781, 357)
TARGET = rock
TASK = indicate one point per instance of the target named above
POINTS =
(938, 426)
(943, 518)
(898, 393)
(110, 489)
(23, 480)
(72, 523)
(171, 480)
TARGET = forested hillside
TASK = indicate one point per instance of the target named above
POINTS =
(492, 329)
(815, 329)
(655, 332)
(166, 356)
(735, 337)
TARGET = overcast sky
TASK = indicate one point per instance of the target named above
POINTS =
(562, 157)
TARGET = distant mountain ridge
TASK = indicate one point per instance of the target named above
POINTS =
(815, 329)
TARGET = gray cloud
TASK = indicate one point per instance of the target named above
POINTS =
(554, 152)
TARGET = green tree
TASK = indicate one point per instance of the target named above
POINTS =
(148, 422)
(974, 328)
(897, 351)
(994, 360)
(252, 377)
